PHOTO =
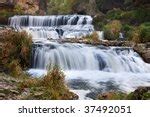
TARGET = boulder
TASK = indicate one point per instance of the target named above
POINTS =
(144, 51)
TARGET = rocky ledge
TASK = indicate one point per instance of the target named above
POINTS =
(141, 93)
(26, 88)
(144, 51)
(142, 48)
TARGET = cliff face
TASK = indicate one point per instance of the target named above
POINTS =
(28, 6)
(21, 6)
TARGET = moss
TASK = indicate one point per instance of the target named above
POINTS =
(142, 93)
(146, 96)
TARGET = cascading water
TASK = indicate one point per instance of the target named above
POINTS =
(89, 70)
(53, 27)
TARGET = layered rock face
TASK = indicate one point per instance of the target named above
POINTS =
(28, 6)
(144, 51)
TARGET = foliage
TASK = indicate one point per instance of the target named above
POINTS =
(142, 93)
(115, 14)
(137, 16)
(112, 29)
(52, 86)
(141, 33)
(60, 6)
(128, 2)
(16, 49)
(127, 30)
(99, 21)
(15, 69)
(93, 38)
(18, 10)
(145, 32)
(99, 3)
(4, 13)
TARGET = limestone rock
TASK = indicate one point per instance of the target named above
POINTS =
(144, 51)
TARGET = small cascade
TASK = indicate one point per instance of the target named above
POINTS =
(54, 27)
(84, 57)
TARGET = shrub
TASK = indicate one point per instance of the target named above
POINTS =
(52, 86)
(16, 49)
(115, 14)
(128, 2)
(15, 69)
(18, 10)
(60, 6)
(128, 30)
(145, 32)
(99, 21)
(55, 85)
(141, 33)
(137, 16)
(135, 35)
(93, 38)
(112, 29)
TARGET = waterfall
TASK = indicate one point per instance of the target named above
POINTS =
(54, 27)
(89, 70)
(84, 57)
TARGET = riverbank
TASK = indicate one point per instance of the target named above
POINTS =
(12, 89)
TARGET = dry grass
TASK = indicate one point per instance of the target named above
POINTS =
(16, 49)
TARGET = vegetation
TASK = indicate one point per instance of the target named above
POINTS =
(52, 86)
(93, 38)
(18, 10)
(112, 96)
(141, 93)
(145, 32)
(140, 34)
(15, 52)
(115, 14)
(112, 29)
(60, 6)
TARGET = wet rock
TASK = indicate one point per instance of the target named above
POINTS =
(74, 96)
(142, 93)
(144, 51)
(112, 96)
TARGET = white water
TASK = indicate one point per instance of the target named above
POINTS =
(53, 27)
(89, 70)
(92, 70)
